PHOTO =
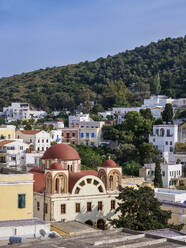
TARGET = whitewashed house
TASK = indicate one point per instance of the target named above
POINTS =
(39, 140)
(12, 153)
(169, 172)
(74, 120)
(164, 137)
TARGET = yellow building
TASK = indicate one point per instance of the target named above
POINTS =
(7, 132)
(91, 133)
(16, 194)
(178, 213)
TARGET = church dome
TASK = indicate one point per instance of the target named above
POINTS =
(109, 163)
(56, 166)
(62, 152)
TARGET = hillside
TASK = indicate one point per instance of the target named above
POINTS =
(120, 80)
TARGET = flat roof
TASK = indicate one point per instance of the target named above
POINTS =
(107, 239)
(23, 222)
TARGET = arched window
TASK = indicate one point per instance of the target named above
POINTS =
(48, 183)
(57, 185)
(111, 182)
(162, 132)
(60, 184)
(117, 181)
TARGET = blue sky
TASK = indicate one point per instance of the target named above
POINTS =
(36, 34)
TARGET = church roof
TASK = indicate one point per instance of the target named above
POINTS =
(62, 152)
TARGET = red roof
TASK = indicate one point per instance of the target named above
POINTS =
(75, 176)
(5, 142)
(109, 164)
(30, 132)
(39, 180)
(56, 166)
(62, 152)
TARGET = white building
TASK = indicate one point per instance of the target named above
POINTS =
(164, 137)
(21, 111)
(179, 103)
(57, 124)
(12, 153)
(72, 194)
(169, 172)
(74, 120)
(39, 140)
(170, 195)
(155, 101)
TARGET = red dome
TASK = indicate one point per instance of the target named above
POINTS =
(62, 152)
(109, 163)
(56, 166)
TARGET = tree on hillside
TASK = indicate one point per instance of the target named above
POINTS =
(158, 183)
(131, 168)
(155, 85)
(138, 209)
(167, 114)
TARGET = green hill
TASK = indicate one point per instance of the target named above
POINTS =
(120, 80)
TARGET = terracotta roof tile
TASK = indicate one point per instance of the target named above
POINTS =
(30, 132)
(5, 142)
(109, 164)
(39, 180)
(61, 151)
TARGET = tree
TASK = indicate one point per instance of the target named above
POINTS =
(146, 113)
(155, 85)
(158, 176)
(131, 168)
(167, 114)
(139, 210)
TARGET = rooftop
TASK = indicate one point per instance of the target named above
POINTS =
(108, 239)
(7, 171)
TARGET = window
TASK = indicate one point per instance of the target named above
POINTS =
(21, 200)
(30, 140)
(42, 148)
(166, 142)
(45, 208)
(77, 207)
(21, 147)
(171, 149)
(82, 135)
(89, 206)
(171, 143)
(47, 141)
(154, 140)
(100, 206)
(89, 180)
(63, 208)
(168, 132)
(42, 140)
(38, 148)
(163, 173)
(87, 135)
(9, 136)
(100, 189)
(113, 204)
(38, 141)
(93, 135)
(13, 158)
(73, 134)
(38, 206)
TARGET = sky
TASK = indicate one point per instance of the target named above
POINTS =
(37, 34)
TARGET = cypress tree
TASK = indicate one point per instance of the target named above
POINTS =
(167, 114)
(158, 183)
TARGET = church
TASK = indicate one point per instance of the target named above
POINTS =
(64, 192)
